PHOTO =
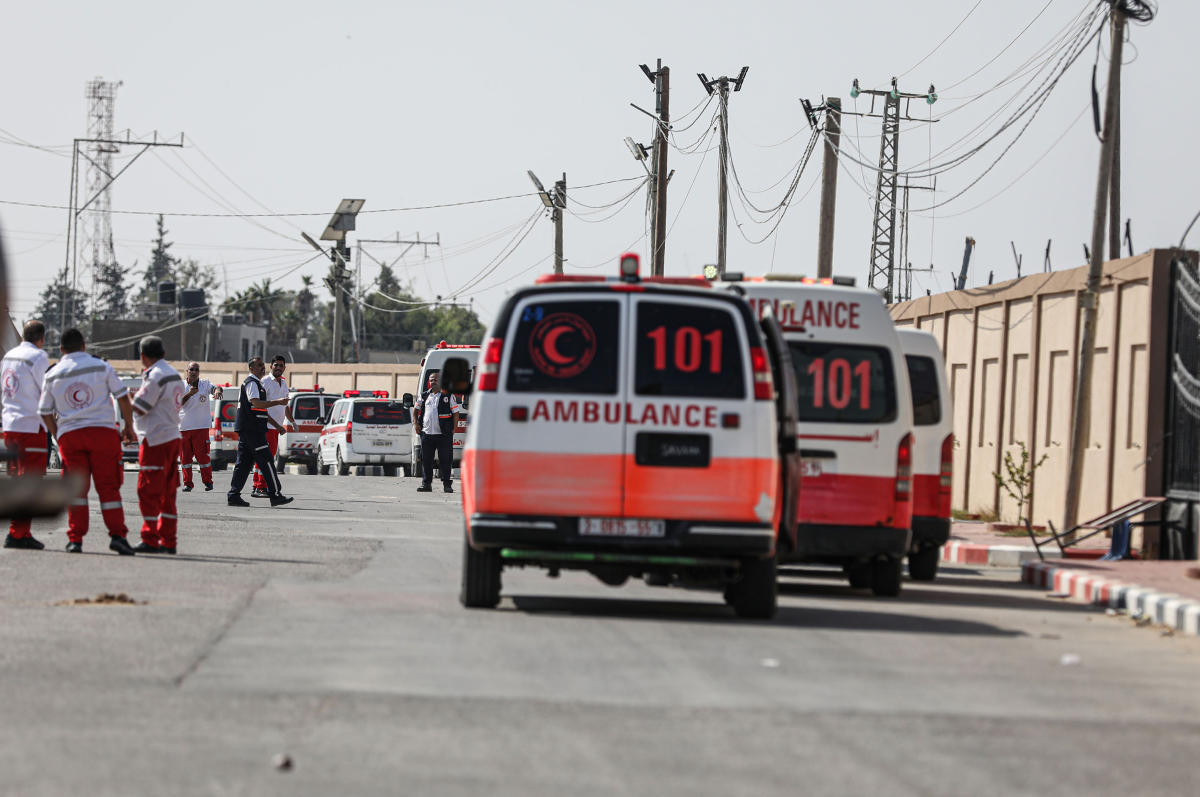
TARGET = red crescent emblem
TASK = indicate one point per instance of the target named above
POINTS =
(562, 345)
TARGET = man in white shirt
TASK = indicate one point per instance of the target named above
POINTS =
(76, 408)
(280, 411)
(437, 417)
(195, 418)
(21, 374)
(156, 405)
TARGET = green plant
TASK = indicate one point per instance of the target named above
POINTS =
(1017, 478)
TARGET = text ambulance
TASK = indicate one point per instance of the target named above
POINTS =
(628, 428)
(854, 427)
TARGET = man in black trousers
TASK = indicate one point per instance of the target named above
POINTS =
(251, 426)
(437, 418)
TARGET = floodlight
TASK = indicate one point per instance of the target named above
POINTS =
(646, 69)
(542, 193)
(637, 150)
(711, 272)
(737, 83)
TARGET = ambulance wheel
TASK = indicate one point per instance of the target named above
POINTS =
(321, 467)
(480, 577)
(416, 466)
(923, 565)
(342, 468)
(407, 470)
(310, 468)
(389, 470)
(219, 464)
(280, 464)
(754, 595)
(859, 574)
(885, 577)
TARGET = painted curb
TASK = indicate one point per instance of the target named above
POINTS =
(966, 553)
(1165, 608)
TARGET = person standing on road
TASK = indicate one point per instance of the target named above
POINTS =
(22, 373)
(276, 388)
(436, 417)
(195, 418)
(251, 425)
(77, 391)
(156, 406)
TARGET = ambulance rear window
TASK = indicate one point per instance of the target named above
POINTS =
(688, 350)
(843, 383)
(381, 412)
(922, 378)
(307, 409)
(566, 347)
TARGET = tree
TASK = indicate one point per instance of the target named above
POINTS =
(1017, 478)
(191, 273)
(113, 298)
(305, 300)
(161, 265)
(50, 306)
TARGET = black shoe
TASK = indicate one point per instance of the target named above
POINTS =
(120, 545)
(26, 543)
(447, 488)
(145, 547)
(169, 551)
(425, 488)
(280, 500)
(237, 500)
(187, 488)
(74, 547)
(208, 487)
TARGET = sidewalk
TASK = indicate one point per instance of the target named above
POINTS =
(1160, 591)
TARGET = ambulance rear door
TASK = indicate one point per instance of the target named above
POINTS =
(552, 442)
(697, 444)
(787, 411)
(381, 427)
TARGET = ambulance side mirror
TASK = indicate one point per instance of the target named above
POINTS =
(407, 399)
(456, 375)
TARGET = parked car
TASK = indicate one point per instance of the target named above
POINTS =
(366, 429)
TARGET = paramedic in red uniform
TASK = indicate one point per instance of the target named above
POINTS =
(278, 408)
(195, 417)
(157, 404)
(76, 408)
(22, 373)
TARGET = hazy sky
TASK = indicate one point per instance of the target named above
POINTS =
(288, 107)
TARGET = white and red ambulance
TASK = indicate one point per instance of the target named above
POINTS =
(310, 409)
(933, 451)
(855, 425)
(626, 427)
(222, 437)
(366, 428)
(431, 365)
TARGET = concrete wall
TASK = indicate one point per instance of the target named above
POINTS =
(397, 379)
(1012, 356)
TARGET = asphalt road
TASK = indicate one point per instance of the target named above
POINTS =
(329, 631)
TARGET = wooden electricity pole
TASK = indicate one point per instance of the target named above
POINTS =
(662, 89)
(1081, 417)
(721, 86)
(832, 135)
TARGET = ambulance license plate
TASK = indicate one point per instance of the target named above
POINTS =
(622, 527)
(382, 442)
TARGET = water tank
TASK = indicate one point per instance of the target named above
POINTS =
(166, 293)
(192, 302)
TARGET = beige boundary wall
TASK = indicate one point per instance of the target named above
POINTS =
(397, 379)
(1011, 354)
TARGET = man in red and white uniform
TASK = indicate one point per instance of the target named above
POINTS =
(21, 374)
(76, 408)
(156, 405)
(280, 412)
(195, 418)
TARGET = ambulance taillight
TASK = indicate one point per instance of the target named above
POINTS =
(349, 427)
(947, 469)
(764, 387)
(489, 371)
(904, 469)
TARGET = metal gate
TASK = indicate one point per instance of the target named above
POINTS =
(1181, 475)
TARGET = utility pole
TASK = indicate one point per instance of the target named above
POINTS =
(556, 202)
(883, 234)
(1114, 190)
(833, 136)
(661, 78)
(408, 245)
(1080, 419)
(722, 89)
(343, 221)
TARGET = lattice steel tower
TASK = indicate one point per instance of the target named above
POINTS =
(96, 244)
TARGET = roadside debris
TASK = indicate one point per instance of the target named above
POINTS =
(103, 599)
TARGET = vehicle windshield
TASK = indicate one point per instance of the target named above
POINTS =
(844, 383)
(381, 412)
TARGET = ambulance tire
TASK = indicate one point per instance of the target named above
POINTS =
(342, 468)
(480, 577)
(219, 464)
(417, 467)
(322, 468)
(754, 596)
(389, 470)
(859, 575)
(407, 470)
(310, 468)
(923, 565)
(886, 577)
(280, 464)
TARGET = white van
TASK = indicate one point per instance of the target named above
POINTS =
(625, 427)
(933, 451)
(222, 437)
(854, 427)
(310, 410)
(431, 365)
(366, 428)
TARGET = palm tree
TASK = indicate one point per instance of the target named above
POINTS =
(263, 297)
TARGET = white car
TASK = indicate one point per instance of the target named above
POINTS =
(366, 429)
